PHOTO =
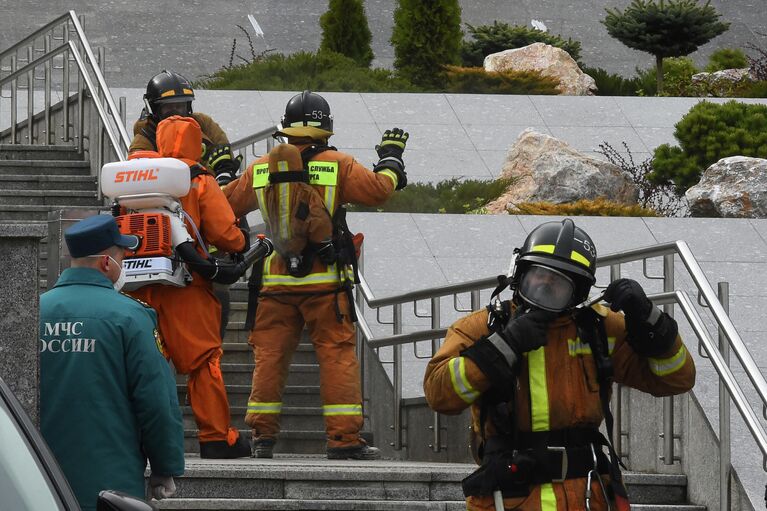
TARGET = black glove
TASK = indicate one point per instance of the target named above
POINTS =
(528, 331)
(627, 295)
(223, 164)
(390, 152)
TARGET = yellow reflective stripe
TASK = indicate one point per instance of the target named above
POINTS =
(168, 93)
(330, 199)
(331, 410)
(539, 392)
(578, 347)
(575, 256)
(666, 366)
(391, 175)
(260, 175)
(329, 277)
(549, 249)
(261, 198)
(323, 173)
(548, 498)
(259, 407)
(284, 220)
(461, 384)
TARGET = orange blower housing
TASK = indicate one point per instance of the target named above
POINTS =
(154, 230)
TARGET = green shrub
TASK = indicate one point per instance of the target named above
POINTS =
(583, 207)
(707, 133)
(345, 30)
(497, 37)
(726, 58)
(677, 76)
(449, 196)
(751, 90)
(478, 81)
(426, 37)
(322, 71)
(613, 84)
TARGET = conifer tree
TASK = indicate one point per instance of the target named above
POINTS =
(666, 28)
(345, 30)
(426, 37)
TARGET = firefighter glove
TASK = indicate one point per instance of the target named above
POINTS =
(390, 152)
(223, 164)
(528, 331)
(162, 487)
(627, 295)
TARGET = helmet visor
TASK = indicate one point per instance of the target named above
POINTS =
(546, 288)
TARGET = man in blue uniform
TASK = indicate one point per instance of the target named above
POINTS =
(107, 397)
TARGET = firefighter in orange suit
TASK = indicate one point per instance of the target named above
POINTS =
(169, 93)
(318, 294)
(537, 371)
(189, 316)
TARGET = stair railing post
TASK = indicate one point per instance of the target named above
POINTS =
(65, 89)
(81, 111)
(360, 299)
(47, 138)
(30, 95)
(617, 400)
(14, 101)
(436, 321)
(723, 289)
(397, 320)
(668, 402)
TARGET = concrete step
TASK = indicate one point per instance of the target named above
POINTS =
(290, 442)
(292, 395)
(17, 214)
(308, 505)
(242, 353)
(39, 152)
(343, 505)
(45, 182)
(242, 374)
(45, 167)
(315, 478)
(292, 418)
(48, 197)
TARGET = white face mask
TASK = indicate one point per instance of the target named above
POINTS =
(120, 282)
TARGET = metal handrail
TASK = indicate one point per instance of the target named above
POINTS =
(88, 66)
(729, 338)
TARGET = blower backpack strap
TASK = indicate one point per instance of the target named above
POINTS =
(591, 328)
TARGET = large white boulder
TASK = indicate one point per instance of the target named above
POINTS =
(547, 169)
(734, 187)
(547, 60)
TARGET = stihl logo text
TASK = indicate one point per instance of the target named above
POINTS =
(127, 176)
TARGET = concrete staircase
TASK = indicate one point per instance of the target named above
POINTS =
(37, 179)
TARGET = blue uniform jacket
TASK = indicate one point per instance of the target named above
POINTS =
(107, 396)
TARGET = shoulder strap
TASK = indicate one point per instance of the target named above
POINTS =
(196, 170)
(591, 328)
(313, 150)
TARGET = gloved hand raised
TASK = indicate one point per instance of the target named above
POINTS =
(390, 152)
(627, 295)
(528, 331)
(392, 143)
(223, 164)
(161, 487)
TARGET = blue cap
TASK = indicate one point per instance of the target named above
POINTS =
(95, 234)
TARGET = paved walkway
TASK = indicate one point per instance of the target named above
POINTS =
(195, 37)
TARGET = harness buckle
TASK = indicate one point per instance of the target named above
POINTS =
(563, 452)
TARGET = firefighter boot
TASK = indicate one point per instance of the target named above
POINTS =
(263, 448)
(360, 451)
(235, 446)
